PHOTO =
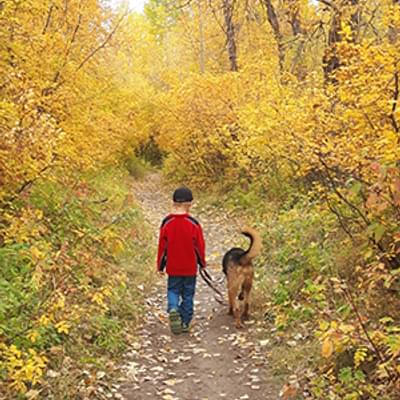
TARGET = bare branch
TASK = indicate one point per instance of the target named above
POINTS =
(48, 19)
(329, 4)
(102, 45)
(216, 17)
(395, 100)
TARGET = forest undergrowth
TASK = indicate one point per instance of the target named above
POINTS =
(74, 271)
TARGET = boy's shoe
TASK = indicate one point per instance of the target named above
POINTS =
(175, 322)
(185, 328)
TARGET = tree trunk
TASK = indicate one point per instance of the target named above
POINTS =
(274, 22)
(201, 39)
(297, 67)
(295, 24)
(393, 31)
(230, 33)
(331, 60)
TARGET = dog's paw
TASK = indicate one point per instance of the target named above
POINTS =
(246, 317)
(230, 311)
(238, 323)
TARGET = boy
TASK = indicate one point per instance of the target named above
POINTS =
(181, 247)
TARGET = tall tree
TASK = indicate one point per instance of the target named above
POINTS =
(201, 37)
(276, 29)
(331, 59)
(228, 8)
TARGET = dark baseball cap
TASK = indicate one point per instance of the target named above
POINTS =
(182, 195)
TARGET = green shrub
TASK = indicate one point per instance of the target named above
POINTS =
(135, 166)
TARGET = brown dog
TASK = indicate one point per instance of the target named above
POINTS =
(238, 269)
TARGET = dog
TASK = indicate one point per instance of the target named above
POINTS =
(238, 268)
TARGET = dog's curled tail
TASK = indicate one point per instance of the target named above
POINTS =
(255, 245)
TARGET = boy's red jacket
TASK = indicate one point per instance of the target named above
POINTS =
(181, 245)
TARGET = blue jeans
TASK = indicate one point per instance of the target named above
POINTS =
(180, 295)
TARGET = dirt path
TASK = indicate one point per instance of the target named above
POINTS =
(215, 361)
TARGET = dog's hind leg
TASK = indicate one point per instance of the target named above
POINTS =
(246, 289)
(231, 298)
(234, 285)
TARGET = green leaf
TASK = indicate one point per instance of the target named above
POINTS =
(379, 231)
(356, 188)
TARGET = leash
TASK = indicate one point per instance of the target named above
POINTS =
(209, 281)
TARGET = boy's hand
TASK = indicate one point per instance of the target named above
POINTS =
(161, 273)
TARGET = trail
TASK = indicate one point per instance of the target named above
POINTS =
(215, 361)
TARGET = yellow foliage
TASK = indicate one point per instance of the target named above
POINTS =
(33, 335)
(360, 355)
(63, 327)
(327, 348)
(23, 368)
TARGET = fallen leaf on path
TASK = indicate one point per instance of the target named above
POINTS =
(32, 394)
(169, 397)
(198, 350)
(100, 374)
(168, 391)
(172, 382)
(158, 369)
(288, 392)
(52, 374)
(136, 346)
